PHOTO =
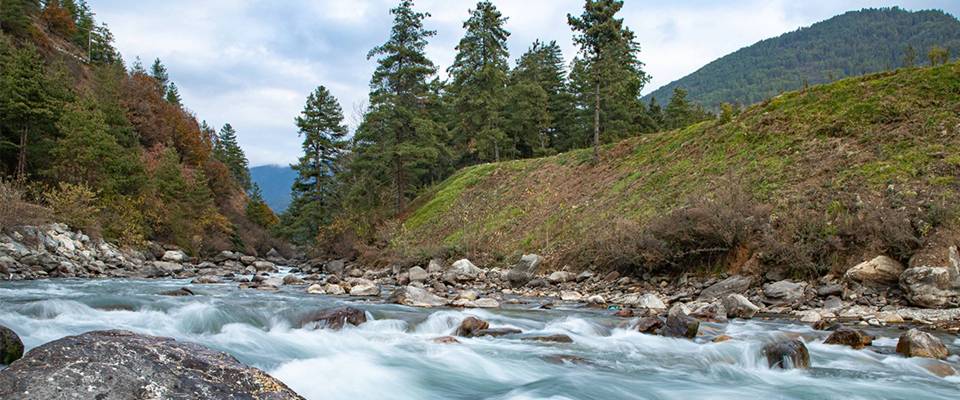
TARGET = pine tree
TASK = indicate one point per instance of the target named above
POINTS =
(909, 57)
(257, 209)
(16, 15)
(610, 66)
(397, 140)
(159, 73)
(137, 68)
(173, 95)
(27, 105)
(656, 113)
(479, 77)
(321, 126)
(543, 65)
(227, 150)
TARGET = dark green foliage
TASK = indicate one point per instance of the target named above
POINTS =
(258, 211)
(479, 79)
(540, 108)
(173, 95)
(16, 15)
(227, 150)
(854, 43)
(680, 113)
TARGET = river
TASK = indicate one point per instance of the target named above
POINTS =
(393, 356)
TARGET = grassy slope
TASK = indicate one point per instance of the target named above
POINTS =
(897, 131)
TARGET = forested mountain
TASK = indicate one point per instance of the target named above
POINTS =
(274, 182)
(854, 43)
(114, 151)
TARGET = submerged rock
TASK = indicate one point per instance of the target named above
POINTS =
(916, 343)
(334, 318)
(446, 340)
(787, 354)
(179, 292)
(854, 338)
(470, 326)
(11, 347)
(115, 365)
(550, 338)
(497, 332)
(416, 297)
(738, 306)
(648, 325)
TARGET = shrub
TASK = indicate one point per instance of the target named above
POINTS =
(15, 210)
(74, 205)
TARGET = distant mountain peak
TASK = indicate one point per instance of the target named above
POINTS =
(274, 181)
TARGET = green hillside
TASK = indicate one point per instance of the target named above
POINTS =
(808, 181)
(855, 43)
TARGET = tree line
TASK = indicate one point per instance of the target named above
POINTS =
(114, 151)
(417, 129)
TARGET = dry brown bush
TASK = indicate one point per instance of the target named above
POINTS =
(15, 210)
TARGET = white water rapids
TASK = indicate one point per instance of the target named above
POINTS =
(393, 356)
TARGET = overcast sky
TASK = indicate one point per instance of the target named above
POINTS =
(252, 63)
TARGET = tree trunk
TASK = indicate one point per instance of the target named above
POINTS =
(319, 161)
(22, 156)
(496, 151)
(596, 124)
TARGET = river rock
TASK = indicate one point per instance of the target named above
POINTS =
(11, 347)
(334, 289)
(881, 271)
(523, 271)
(316, 289)
(486, 303)
(417, 274)
(787, 354)
(174, 256)
(570, 295)
(206, 280)
(416, 297)
(470, 326)
(462, 270)
(733, 284)
(738, 306)
(916, 343)
(292, 279)
(120, 365)
(165, 268)
(933, 286)
(784, 291)
(648, 325)
(177, 293)
(647, 300)
(497, 332)
(446, 340)
(334, 318)
(559, 277)
(854, 338)
(335, 267)
(365, 288)
(679, 324)
(264, 266)
(550, 338)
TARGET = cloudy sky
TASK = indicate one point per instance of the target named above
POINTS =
(252, 62)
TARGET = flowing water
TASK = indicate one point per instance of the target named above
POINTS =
(393, 356)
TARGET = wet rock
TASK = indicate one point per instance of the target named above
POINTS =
(738, 306)
(446, 340)
(566, 359)
(417, 274)
(416, 297)
(879, 272)
(550, 338)
(264, 266)
(365, 288)
(854, 338)
(712, 312)
(679, 324)
(939, 368)
(177, 293)
(206, 280)
(624, 313)
(174, 256)
(733, 284)
(784, 291)
(113, 365)
(486, 303)
(292, 280)
(497, 332)
(646, 301)
(334, 318)
(470, 326)
(787, 354)
(721, 338)
(334, 290)
(916, 343)
(559, 277)
(316, 289)
(523, 271)
(11, 347)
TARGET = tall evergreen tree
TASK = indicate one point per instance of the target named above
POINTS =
(324, 139)
(227, 150)
(397, 140)
(27, 106)
(611, 69)
(173, 94)
(543, 66)
(15, 15)
(479, 77)
(159, 72)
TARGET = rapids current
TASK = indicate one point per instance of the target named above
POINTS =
(393, 355)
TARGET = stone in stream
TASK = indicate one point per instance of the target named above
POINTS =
(916, 343)
(679, 324)
(854, 338)
(334, 318)
(497, 332)
(787, 354)
(446, 340)
(115, 365)
(11, 347)
(470, 326)
(550, 338)
(179, 292)
(416, 297)
(365, 289)
(206, 280)
(737, 306)
(648, 325)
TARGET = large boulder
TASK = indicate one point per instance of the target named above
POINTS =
(679, 324)
(854, 338)
(559, 277)
(787, 354)
(783, 292)
(120, 365)
(416, 297)
(738, 306)
(933, 286)
(175, 256)
(916, 343)
(334, 318)
(879, 272)
(524, 270)
(11, 347)
(461, 271)
(365, 288)
(417, 274)
(335, 267)
(471, 326)
(733, 284)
